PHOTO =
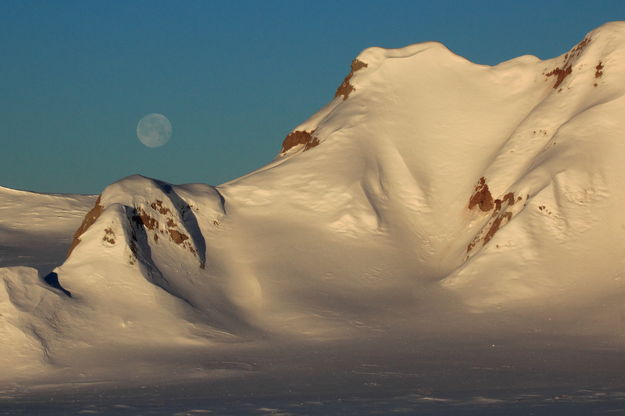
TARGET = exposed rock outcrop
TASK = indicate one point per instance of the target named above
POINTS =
(560, 73)
(298, 137)
(346, 87)
(481, 197)
(87, 222)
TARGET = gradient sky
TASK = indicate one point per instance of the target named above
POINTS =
(234, 77)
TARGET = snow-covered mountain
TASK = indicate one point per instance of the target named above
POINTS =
(431, 195)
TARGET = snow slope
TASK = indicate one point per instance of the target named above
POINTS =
(430, 196)
(36, 229)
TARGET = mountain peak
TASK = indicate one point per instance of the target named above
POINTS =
(428, 187)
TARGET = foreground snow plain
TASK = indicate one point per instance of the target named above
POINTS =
(441, 237)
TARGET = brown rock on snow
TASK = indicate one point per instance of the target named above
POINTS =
(346, 88)
(87, 222)
(299, 137)
(482, 197)
(567, 67)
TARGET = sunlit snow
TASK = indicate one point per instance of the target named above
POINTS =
(453, 242)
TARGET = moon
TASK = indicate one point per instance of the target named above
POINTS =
(154, 130)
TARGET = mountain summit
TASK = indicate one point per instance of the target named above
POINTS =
(431, 195)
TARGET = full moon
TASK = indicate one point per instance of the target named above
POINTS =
(154, 130)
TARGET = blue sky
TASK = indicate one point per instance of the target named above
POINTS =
(234, 77)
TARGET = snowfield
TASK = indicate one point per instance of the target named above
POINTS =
(442, 236)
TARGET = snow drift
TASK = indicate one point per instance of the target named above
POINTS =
(431, 193)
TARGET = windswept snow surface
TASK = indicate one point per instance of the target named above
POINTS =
(449, 239)
(36, 229)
